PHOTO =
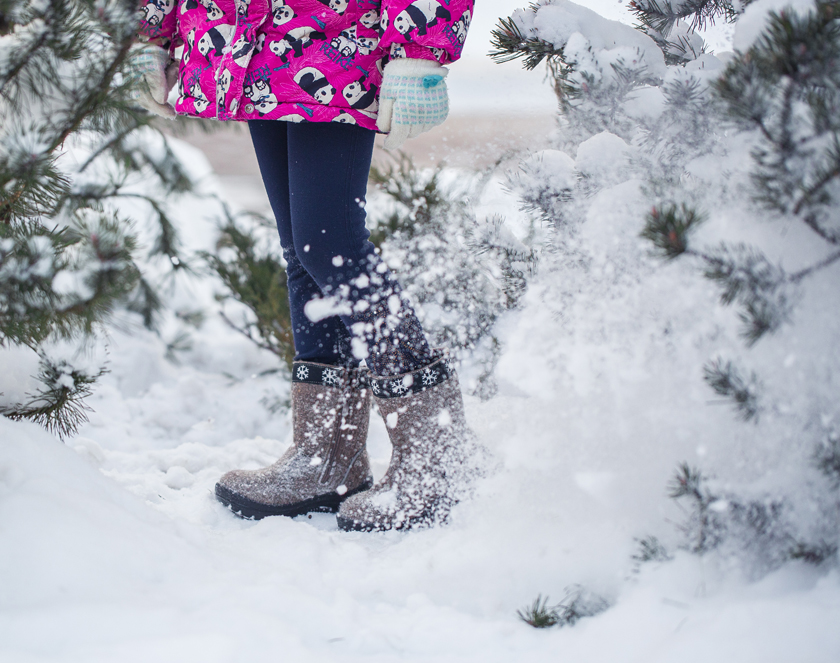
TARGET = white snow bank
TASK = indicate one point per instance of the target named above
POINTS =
(115, 549)
(603, 156)
(17, 379)
(547, 166)
(92, 574)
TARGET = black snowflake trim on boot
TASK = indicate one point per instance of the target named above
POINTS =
(321, 374)
(398, 386)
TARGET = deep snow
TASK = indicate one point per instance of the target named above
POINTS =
(114, 548)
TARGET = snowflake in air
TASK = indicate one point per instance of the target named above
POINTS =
(302, 372)
(329, 376)
(429, 377)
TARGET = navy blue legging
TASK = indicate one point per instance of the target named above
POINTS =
(316, 176)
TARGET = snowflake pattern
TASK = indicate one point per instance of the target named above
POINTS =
(429, 377)
(302, 372)
(423, 379)
(329, 376)
(398, 387)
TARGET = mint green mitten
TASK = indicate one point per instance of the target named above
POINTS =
(412, 99)
(148, 65)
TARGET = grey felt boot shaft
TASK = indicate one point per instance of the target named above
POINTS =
(327, 460)
(431, 457)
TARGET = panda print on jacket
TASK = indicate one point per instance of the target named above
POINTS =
(262, 98)
(242, 7)
(348, 43)
(461, 26)
(210, 8)
(242, 49)
(294, 42)
(260, 42)
(281, 12)
(370, 19)
(189, 47)
(420, 16)
(345, 43)
(360, 97)
(298, 60)
(213, 41)
(190, 91)
(155, 11)
(315, 84)
(223, 85)
(398, 51)
(338, 6)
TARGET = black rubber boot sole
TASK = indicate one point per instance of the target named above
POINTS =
(351, 525)
(421, 521)
(247, 508)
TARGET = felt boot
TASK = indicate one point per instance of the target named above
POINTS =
(327, 462)
(432, 457)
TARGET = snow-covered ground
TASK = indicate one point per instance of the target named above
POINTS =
(113, 547)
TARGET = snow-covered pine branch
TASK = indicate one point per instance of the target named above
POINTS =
(727, 166)
(72, 147)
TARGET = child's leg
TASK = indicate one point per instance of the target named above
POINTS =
(328, 171)
(326, 341)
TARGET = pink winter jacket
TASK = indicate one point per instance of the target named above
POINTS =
(298, 60)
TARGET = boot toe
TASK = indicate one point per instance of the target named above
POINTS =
(356, 514)
(251, 493)
(383, 510)
(234, 480)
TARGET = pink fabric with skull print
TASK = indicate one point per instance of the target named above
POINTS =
(298, 60)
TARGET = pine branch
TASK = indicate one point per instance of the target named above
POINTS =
(421, 201)
(743, 272)
(87, 99)
(662, 16)
(66, 261)
(702, 525)
(145, 301)
(577, 604)
(93, 251)
(258, 282)
(539, 614)
(822, 264)
(745, 275)
(510, 43)
(108, 145)
(51, 17)
(798, 162)
(726, 380)
(59, 405)
(651, 550)
(813, 553)
(670, 227)
(247, 333)
(827, 456)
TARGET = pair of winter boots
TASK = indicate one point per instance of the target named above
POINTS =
(327, 467)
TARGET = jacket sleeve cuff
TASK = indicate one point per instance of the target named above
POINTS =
(398, 51)
(415, 67)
